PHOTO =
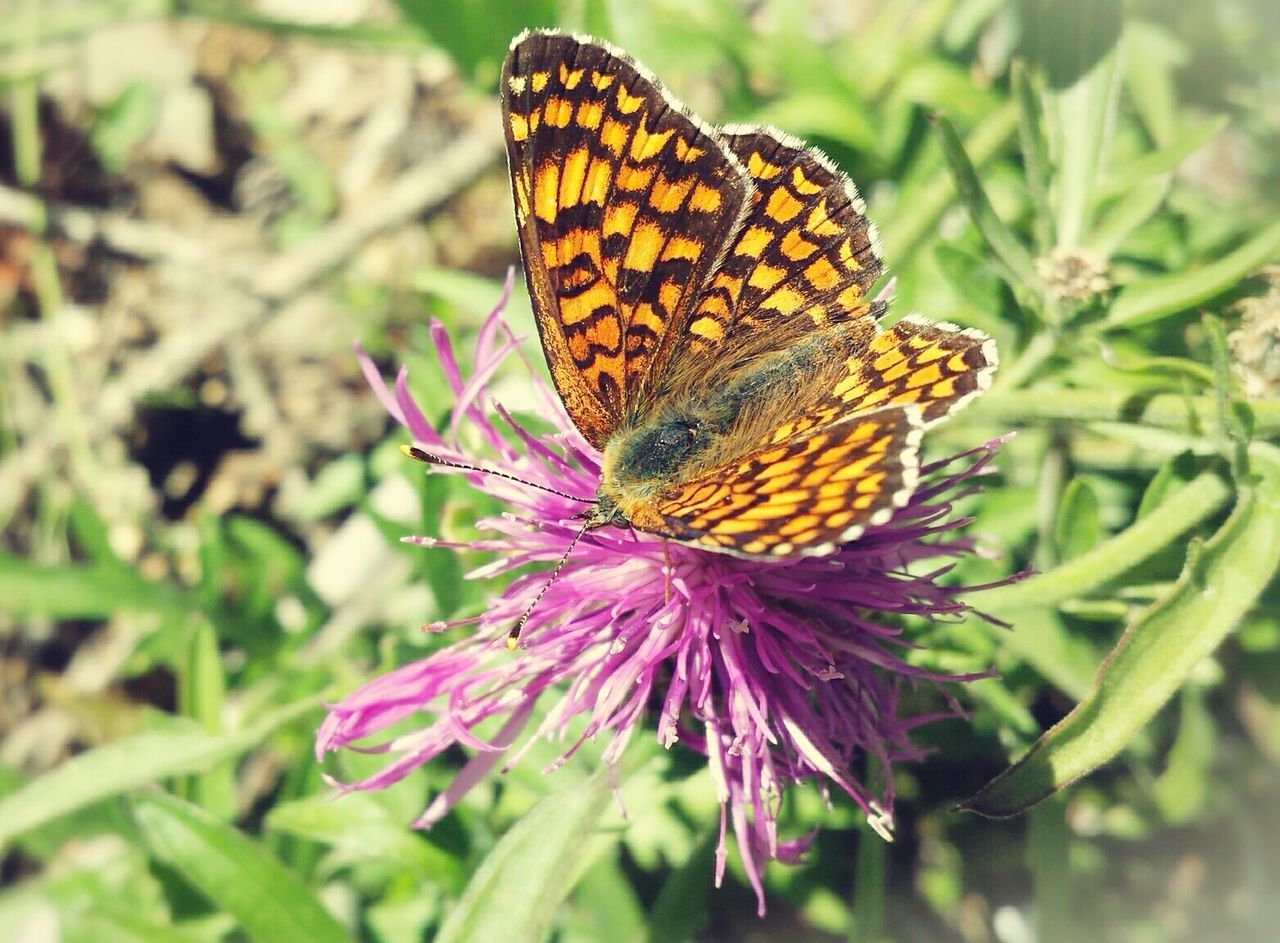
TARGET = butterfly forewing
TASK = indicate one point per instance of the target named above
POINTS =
(804, 257)
(624, 203)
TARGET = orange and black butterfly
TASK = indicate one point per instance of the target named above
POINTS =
(702, 295)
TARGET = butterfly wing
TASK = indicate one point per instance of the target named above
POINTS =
(936, 366)
(625, 204)
(807, 495)
(805, 257)
(833, 448)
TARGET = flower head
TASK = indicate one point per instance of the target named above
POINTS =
(778, 671)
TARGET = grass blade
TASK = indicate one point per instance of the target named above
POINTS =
(178, 748)
(517, 890)
(999, 236)
(269, 901)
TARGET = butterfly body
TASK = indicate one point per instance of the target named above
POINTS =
(702, 296)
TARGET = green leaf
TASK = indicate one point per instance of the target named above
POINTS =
(1040, 639)
(1048, 859)
(869, 888)
(1194, 375)
(1077, 529)
(1001, 239)
(1126, 215)
(1183, 788)
(518, 888)
(1160, 648)
(1174, 473)
(363, 829)
(922, 204)
(1009, 711)
(1162, 411)
(90, 532)
(476, 34)
(1152, 57)
(832, 115)
(1122, 178)
(605, 907)
(177, 748)
(202, 692)
(1035, 153)
(681, 909)
(268, 900)
(1154, 298)
(95, 591)
(1075, 41)
(101, 927)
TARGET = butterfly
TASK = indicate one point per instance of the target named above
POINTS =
(703, 300)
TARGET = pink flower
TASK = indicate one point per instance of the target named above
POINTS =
(776, 670)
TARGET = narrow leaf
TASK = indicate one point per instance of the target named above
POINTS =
(179, 747)
(1156, 298)
(1144, 538)
(1156, 653)
(1048, 859)
(1186, 784)
(1123, 177)
(681, 909)
(870, 886)
(921, 205)
(1035, 153)
(1076, 41)
(202, 691)
(1001, 239)
(1077, 529)
(1040, 639)
(1153, 55)
(365, 830)
(517, 889)
(69, 591)
(235, 873)
(115, 927)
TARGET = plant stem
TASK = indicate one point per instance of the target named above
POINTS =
(1006, 404)
(1191, 504)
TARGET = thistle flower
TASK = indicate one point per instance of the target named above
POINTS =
(778, 671)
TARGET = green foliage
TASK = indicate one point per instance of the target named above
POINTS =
(1038, 170)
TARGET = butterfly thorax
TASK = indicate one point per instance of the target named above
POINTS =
(676, 442)
(643, 460)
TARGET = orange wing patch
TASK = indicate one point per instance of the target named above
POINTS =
(807, 495)
(624, 202)
(937, 366)
(806, 248)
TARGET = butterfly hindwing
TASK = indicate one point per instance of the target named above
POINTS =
(935, 366)
(624, 203)
(807, 495)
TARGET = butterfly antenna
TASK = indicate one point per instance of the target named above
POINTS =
(427, 458)
(513, 637)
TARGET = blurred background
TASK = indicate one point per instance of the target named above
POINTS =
(202, 205)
